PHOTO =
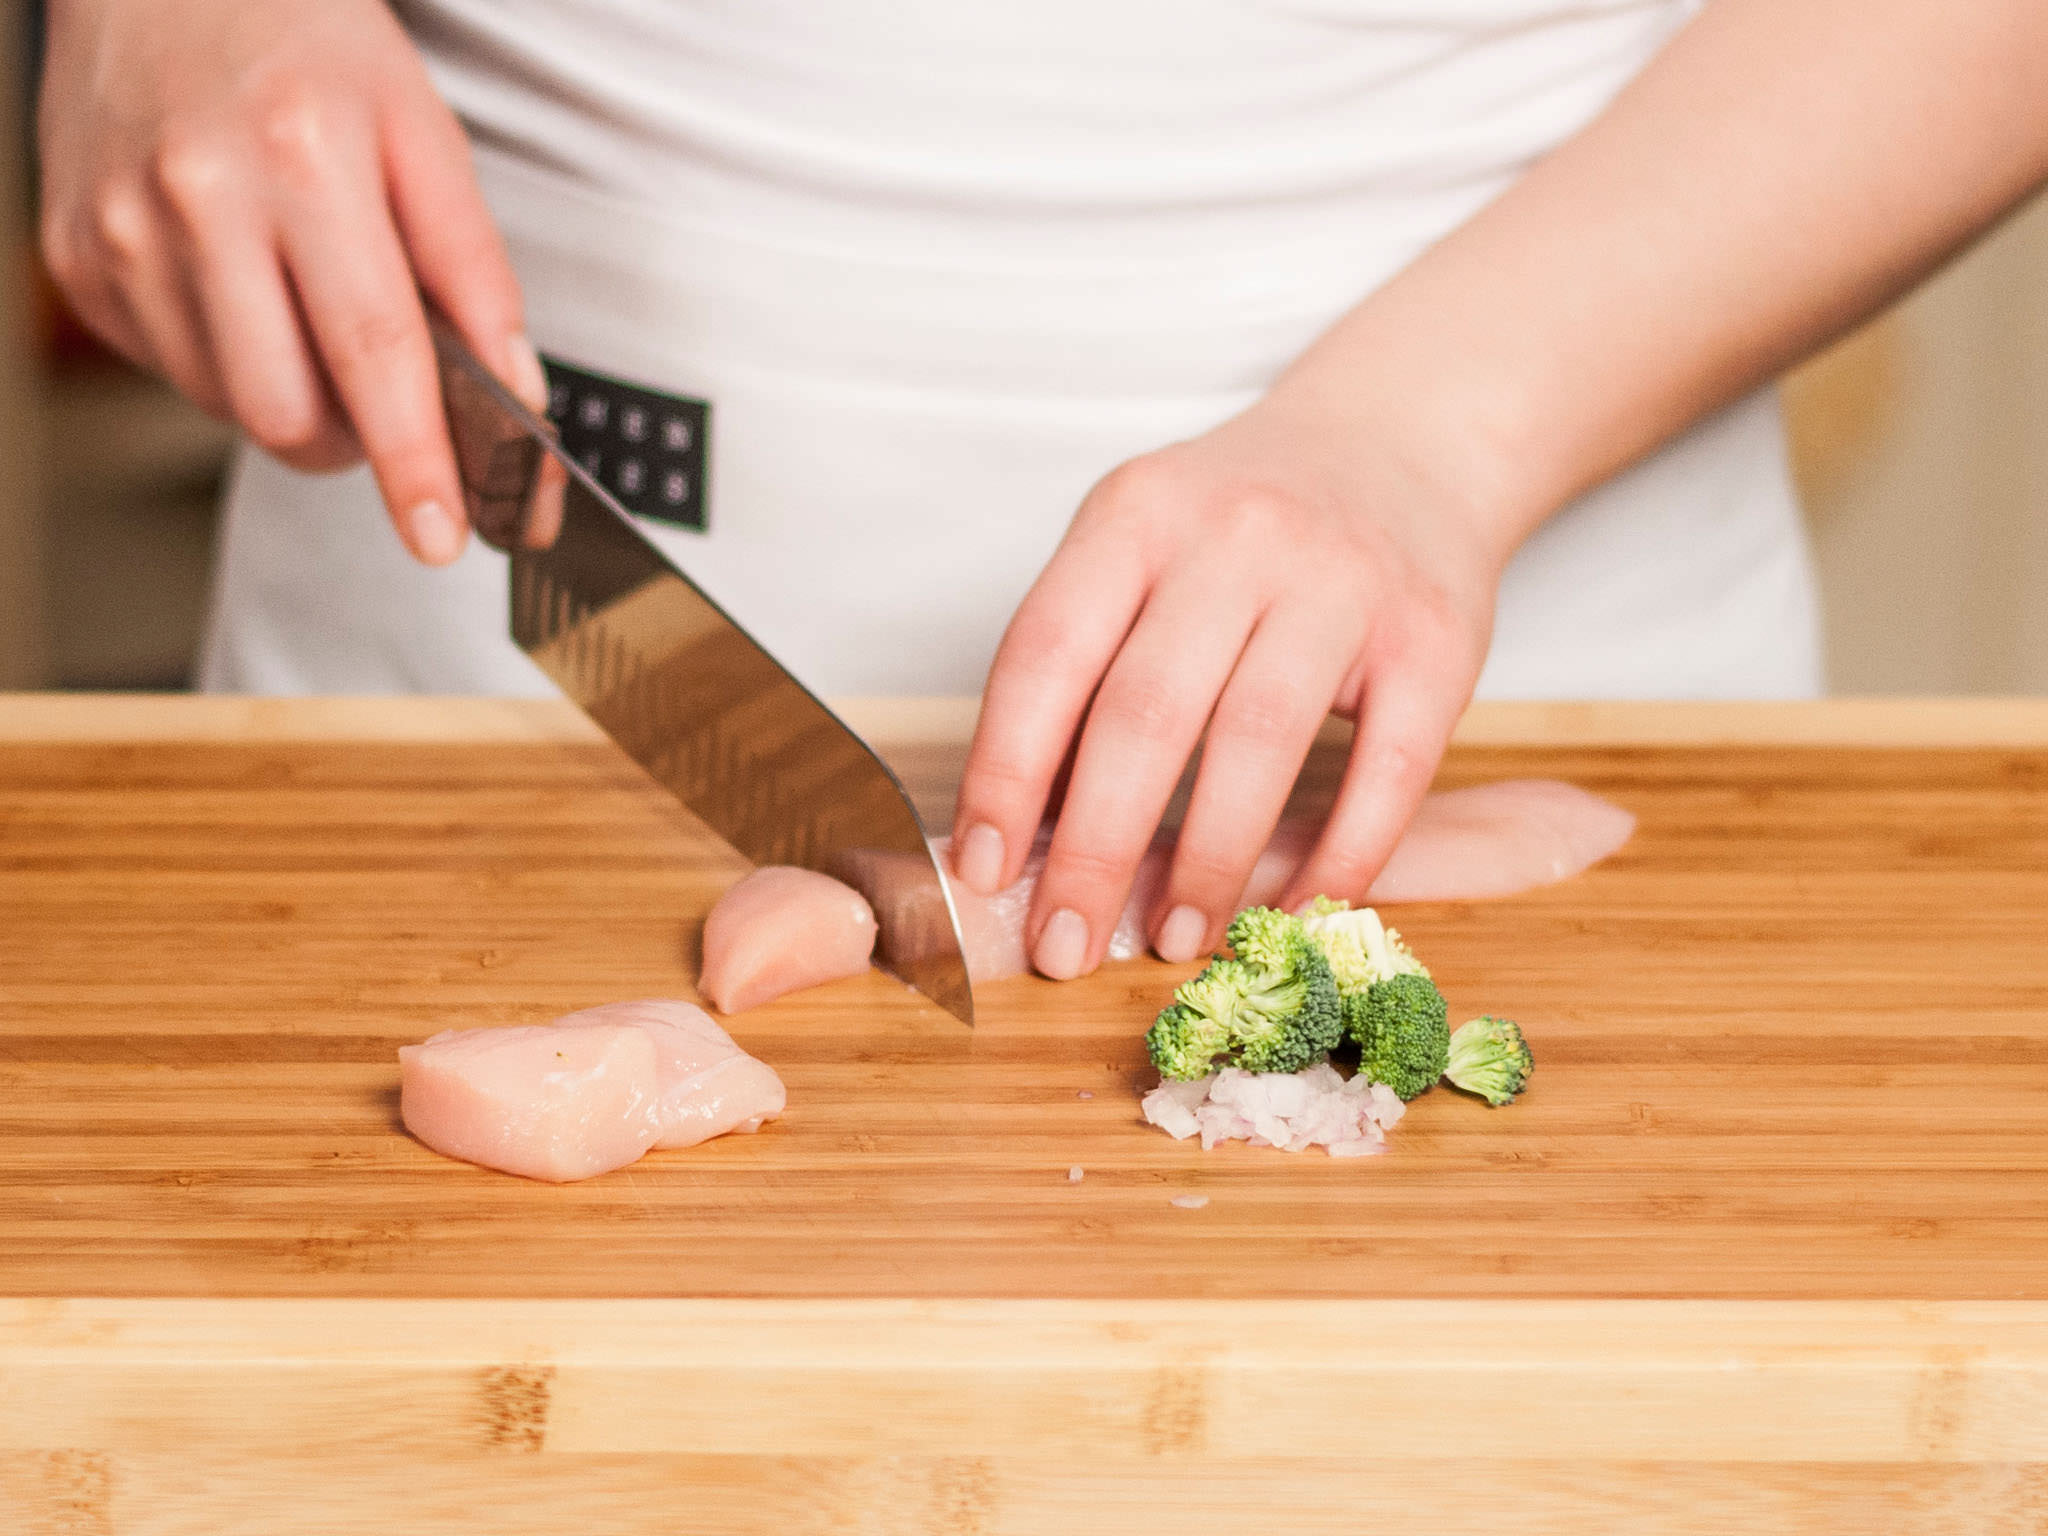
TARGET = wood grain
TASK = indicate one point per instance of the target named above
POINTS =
(76, 1494)
(1792, 1042)
(974, 1417)
(1775, 1197)
(1850, 722)
(1108, 1382)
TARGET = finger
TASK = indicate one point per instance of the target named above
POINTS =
(334, 446)
(104, 312)
(547, 506)
(1057, 647)
(74, 247)
(141, 268)
(1407, 720)
(366, 319)
(167, 314)
(258, 342)
(1143, 724)
(457, 252)
(71, 256)
(1264, 724)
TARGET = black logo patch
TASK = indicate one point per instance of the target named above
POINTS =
(646, 448)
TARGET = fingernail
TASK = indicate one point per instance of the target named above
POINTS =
(436, 537)
(1063, 947)
(529, 380)
(979, 859)
(1181, 935)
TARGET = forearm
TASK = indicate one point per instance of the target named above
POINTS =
(1780, 171)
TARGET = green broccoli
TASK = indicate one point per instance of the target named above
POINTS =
(1274, 1008)
(1403, 1034)
(1360, 948)
(1192, 1030)
(1489, 1057)
(1266, 936)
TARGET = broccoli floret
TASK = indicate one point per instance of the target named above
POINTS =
(1264, 936)
(1279, 943)
(1360, 948)
(1489, 1057)
(1273, 1008)
(1233, 1009)
(1185, 1039)
(1403, 1034)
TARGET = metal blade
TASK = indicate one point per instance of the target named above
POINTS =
(688, 694)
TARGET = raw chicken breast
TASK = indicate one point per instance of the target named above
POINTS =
(536, 1100)
(1488, 840)
(781, 929)
(586, 1094)
(706, 1085)
(1497, 839)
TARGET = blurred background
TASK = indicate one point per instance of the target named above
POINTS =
(1921, 445)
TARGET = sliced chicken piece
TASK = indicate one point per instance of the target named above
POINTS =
(588, 1093)
(706, 1085)
(781, 929)
(537, 1100)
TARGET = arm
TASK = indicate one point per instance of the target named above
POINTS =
(1779, 171)
(249, 197)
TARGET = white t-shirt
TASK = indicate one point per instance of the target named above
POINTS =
(938, 267)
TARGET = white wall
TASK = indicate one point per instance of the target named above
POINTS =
(1923, 449)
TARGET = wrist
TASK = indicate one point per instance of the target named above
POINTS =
(1412, 372)
(1428, 425)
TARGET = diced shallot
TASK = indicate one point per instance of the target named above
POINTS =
(1316, 1107)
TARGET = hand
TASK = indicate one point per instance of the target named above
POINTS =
(1251, 581)
(249, 197)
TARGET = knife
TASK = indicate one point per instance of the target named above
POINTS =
(692, 697)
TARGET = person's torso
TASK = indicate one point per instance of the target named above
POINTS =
(938, 267)
(1077, 197)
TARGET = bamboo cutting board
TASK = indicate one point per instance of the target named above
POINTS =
(1764, 1247)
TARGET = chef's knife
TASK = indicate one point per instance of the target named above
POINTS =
(689, 695)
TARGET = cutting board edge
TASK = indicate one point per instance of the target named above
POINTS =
(1675, 1380)
(1843, 722)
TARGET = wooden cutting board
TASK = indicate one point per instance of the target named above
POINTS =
(1778, 1194)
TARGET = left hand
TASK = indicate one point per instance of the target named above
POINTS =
(1250, 581)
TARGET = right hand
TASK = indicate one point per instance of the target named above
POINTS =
(250, 197)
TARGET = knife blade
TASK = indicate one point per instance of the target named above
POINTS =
(687, 693)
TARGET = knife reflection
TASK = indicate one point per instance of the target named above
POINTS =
(684, 690)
